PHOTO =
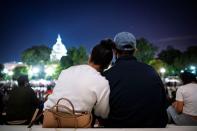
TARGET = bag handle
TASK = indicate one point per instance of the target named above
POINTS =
(72, 110)
(55, 108)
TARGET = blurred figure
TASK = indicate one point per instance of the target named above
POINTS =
(184, 110)
(137, 94)
(22, 103)
(1, 107)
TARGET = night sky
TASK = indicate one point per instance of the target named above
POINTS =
(85, 22)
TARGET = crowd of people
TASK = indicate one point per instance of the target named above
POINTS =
(128, 94)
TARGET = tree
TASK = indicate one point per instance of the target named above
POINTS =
(191, 54)
(169, 55)
(187, 58)
(157, 64)
(19, 70)
(36, 55)
(78, 55)
(145, 50)
(1, 72)
(75, 56)
(66, 61)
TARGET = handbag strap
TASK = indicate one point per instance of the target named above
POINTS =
(73, 109)
(56, 107)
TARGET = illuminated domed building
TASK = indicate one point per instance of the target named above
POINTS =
(58, 50)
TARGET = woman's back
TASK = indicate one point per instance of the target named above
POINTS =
(188, 94)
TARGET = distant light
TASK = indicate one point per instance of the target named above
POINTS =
(182, 71)
(10, 73)
(192, 67)
(35, 70)
(5, 71)
(193, 72)
(162, 70)
(49, 71)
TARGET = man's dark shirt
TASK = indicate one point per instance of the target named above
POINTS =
(137, 95)
(21, 104)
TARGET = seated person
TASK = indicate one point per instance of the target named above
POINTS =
(84, 85)
(184, 110)
(22, 103)
(1, 107)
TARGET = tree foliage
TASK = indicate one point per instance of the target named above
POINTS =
(169, 55)
(36, 55)
(75, 56)
(188, 57)
(157, 64)
(19, 70)
(177, 60)
(145, 50)
(1, 71)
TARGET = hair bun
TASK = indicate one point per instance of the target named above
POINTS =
(108, 43)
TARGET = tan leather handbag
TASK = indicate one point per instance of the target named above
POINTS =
(53, 118)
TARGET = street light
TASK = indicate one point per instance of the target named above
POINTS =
(10, 73)
(182, 71)
(162, 71)
(192, 67)
(49, 71)
(33, 71)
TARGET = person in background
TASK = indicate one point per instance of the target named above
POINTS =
(84, 85)
(22, 103)
(184, 110)
(1, 106)
(137, 94)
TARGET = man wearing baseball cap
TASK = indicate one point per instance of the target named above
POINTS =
(137, 95)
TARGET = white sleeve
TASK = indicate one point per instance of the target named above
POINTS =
(101, 107)
(179, 94)
(53, 98)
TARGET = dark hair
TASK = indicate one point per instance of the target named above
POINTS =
(102, 53)
(125, 52)
(188, 77)
(23, 80)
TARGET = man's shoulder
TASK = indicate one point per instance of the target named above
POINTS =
(137, 64)
(144, 65)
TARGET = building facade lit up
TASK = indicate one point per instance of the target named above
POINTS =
(58, 50)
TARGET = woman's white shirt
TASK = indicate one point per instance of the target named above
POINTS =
(84, 87)
(188, 94)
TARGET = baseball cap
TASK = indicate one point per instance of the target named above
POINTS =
(125, 41)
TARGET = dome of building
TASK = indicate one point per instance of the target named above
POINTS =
(58, 50)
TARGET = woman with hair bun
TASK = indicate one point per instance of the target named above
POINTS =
(84, 85)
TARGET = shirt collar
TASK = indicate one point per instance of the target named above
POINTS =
(126, 58)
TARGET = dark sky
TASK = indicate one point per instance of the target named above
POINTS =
(36, 22)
